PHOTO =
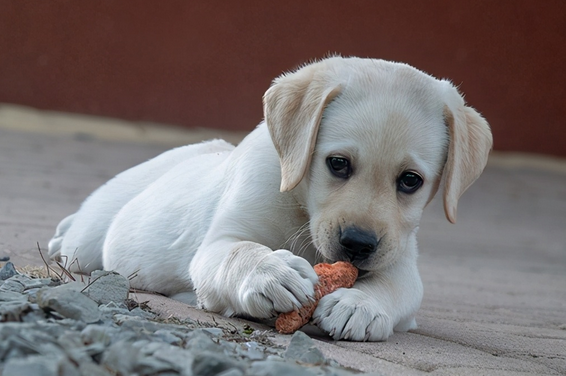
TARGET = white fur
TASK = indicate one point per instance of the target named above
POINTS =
(212, 218)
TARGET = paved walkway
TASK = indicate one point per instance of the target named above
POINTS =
(495, 283)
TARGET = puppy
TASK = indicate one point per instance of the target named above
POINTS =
(350, 153)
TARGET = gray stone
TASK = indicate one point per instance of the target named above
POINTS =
(212, 363)
(141, 325)
(108, 311)
(199, 340)
(13, 311)
(98, 334)
(119, 357)
(33, 315)
(275, 358)
(72, 285)
(33, 341)
(252, 351)
(40, 365)
(8, 329)
(214, 332)
(180, 358)
(32, 283)
(149, 365)
(107, 286)
(276, 368)
(68, 303)
(302, 349)
(23, 279)
(141, 313)
(7, 271)
(12, 285)
(168, 337)
(56, 328)
(148, 347)
(230, 347)
(231, 372)
(74, 347)
(32, 295)
(92, 369)
(11, 296)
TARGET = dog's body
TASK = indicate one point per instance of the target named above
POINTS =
(350, 153)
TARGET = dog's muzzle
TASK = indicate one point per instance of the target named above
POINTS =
(358, 244)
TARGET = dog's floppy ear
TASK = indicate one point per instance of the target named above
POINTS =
(293, 108)
(468, 150)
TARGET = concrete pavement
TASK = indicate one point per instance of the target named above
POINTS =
(495, 283)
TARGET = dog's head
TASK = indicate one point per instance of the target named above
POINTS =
(365, 144)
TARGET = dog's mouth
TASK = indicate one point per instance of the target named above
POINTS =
(362, 273)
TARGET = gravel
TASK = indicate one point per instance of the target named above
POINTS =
(48, 328)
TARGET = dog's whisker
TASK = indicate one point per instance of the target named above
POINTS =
(293, 238)
(305, 245)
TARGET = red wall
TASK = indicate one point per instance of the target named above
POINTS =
(207, 63)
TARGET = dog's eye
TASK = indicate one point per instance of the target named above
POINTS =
(409, 182)
(340, 167)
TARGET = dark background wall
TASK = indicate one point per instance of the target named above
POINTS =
(207, 63)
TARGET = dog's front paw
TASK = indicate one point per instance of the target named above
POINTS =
(351, 314)
(280, 282)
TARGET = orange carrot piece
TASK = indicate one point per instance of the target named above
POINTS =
(331, 277)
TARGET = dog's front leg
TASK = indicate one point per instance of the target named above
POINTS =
(250, 279)
(377, 304)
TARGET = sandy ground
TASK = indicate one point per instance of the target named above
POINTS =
(495, 283)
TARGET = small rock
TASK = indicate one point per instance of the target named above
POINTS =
(68, 303)
(214, 332)
(141, 325)
(32, 283)
(276, 368)
(40, 365)
(181, 359)
(199, 339)
(92, 369)
(98, 334)
(11, 296)
(302, 349)
(168, 337)
(74, 347)
(56, 328)
(23, 279)
(147, 364)
(118, 358)
(12, 285)
(212, 363)
(148, 347)
(138, 312)
(12, 311)
(34, 314)
(231, 372)
(7, 271)
(10, 329)
(252, 350)
(107, 286)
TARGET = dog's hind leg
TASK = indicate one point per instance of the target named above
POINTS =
(79, 238)
(55, 244)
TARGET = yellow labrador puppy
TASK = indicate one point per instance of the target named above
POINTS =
(349, 154)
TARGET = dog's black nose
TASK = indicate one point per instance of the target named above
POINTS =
(358, 244)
